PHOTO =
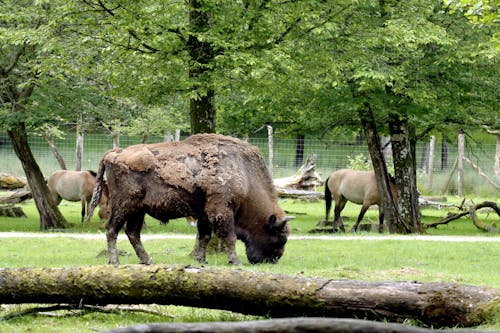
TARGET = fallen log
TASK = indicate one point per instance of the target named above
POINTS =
(16, 196)
(288, 325)
(299, 194)
(254, 293)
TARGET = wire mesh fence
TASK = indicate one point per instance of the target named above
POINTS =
(287, 157)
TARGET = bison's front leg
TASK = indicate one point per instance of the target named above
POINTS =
(133, 231)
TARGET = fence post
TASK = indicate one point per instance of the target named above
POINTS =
(271, 149)
(430, 166)
(460, 163)
(79, 143)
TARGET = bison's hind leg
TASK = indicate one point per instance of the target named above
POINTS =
(113, 226)
(225, 229)
(202, 239)
(133, 231)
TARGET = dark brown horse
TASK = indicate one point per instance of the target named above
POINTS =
(77, 186)
(355, 186)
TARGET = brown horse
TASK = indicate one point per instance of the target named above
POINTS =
(77, 186)
(359, 187)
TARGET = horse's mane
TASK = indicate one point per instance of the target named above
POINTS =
(92, 172)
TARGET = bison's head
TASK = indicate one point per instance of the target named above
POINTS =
(268, 245)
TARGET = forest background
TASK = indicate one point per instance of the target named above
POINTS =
(309, 69)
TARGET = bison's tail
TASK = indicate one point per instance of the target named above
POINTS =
(96, 196)
(328, 200)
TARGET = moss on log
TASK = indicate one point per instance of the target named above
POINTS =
(256, 293)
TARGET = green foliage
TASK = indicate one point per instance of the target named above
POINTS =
(359, 162)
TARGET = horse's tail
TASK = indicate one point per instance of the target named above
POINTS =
(328, 200)
(96, 196)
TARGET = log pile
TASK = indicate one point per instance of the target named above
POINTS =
(20, 192)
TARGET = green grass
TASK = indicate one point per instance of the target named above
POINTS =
(307, 215)
(384, 259)
(366, 260)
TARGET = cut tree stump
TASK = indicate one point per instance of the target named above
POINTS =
(306, 178)
(253, 293)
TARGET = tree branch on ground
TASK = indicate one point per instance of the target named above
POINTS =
(471, 211)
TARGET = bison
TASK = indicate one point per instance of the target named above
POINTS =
(219, 180)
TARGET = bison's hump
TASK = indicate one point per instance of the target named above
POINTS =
(135, 158)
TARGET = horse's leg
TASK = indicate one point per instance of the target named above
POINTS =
(113, 226)
(362, 212)
(340, 203)
(380, 219)
(84, 202)
(133, 231)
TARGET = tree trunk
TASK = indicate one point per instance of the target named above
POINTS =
(254, 293)
(50, 216)
(202, 105)
(405, 172)
(287, 325)
(391, 214)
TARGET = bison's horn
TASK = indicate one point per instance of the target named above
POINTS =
(281, 224)
(274, 223)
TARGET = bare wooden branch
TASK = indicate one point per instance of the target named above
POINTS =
(72, 310)
(472, 213)
(254, 293)
(481, 173)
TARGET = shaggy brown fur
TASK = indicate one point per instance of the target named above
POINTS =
(219, 180)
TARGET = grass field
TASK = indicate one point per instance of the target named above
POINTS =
(344, 257)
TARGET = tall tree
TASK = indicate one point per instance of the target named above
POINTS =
(20, 52)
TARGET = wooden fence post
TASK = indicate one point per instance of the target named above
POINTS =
(271, 148)
(460, 163)
(430, 165)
